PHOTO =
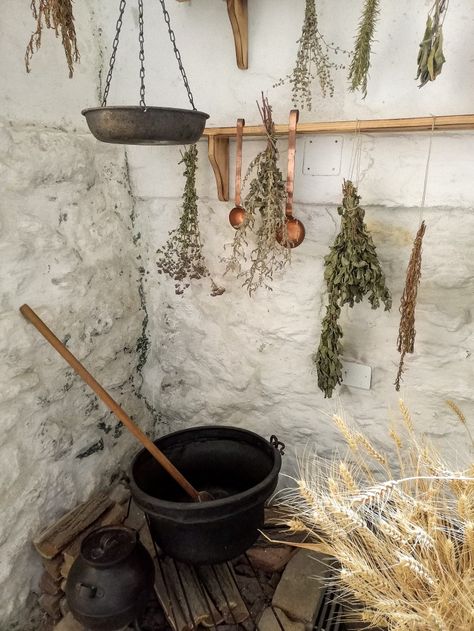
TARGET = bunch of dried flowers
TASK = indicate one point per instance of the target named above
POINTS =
(430, 56)
(360, 62)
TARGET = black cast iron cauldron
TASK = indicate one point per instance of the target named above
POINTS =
(109, 584)
(239, 468)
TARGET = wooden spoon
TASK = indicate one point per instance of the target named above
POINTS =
(295, 228)
(237, 214)
(159, 456)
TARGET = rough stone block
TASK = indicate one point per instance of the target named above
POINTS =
(273, 619)
(301, 587)
(270, 558)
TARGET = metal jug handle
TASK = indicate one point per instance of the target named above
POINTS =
(279, 446)
(89, 591)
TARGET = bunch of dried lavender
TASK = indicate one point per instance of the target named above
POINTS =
(181, 257)
(56, 15)
(352, 271)
(312, 60)
(360, 63)
(266, 200)
(430, 56)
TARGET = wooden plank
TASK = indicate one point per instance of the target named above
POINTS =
(53, 566)
(202, 609)
(50, 604)
(220, 584)
(48, 585)
(171, 597)
(459, 122)
(55, 538)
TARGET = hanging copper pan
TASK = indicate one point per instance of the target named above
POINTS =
(136, 125)
(141, 124)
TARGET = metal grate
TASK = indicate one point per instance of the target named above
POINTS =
(330, 613)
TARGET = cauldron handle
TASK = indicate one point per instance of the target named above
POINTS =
(91, 591)
(279, 446)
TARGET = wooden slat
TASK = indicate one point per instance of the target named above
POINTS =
(218, 137)
(238, 16)
(60, 534)
(460, 122)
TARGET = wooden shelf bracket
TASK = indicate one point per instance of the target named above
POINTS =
(238, 15)
(218, 137)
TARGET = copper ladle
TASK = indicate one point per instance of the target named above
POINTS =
(237, 214)
(295, 228)
(85, 375)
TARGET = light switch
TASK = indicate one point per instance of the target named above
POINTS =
(356, 375)
(323, 155)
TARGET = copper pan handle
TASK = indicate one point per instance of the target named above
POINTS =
(290, 180)
(238, 160)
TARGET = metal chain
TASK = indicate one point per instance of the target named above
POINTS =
(177, 54)
(141, 55)
(118, 28)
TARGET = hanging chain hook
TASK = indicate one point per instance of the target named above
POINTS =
(177, 54)
(141, 55)
(118, 28)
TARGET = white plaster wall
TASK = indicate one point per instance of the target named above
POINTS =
(247, 362)
(66, 248)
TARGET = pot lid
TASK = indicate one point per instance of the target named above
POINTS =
(108, 546)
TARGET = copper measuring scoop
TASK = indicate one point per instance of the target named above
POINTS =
(237, 214)
(295, 228)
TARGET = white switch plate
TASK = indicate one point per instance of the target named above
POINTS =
(356, 375)
(323, 155)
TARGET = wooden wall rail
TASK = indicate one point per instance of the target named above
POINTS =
(218, 137)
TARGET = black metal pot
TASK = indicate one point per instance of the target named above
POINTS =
(239, 468)
(110, 582)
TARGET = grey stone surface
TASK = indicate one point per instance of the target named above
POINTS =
(301, 587)
(274, 619)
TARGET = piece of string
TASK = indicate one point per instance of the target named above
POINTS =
(427, 169)
(354, 166)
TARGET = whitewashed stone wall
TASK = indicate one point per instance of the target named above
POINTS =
(70, 247)
(66, 248)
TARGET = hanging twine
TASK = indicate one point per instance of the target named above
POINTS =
(407, 331)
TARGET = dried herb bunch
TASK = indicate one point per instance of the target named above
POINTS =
(181, 257)
(407, 331)
(352, 271)
(57, 15)
(430, 56)
(402, 532)
(312, 61)
(266, 201)
(360, 62)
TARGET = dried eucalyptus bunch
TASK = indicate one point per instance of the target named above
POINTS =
(430, 56)
(57, 15)
(360, 62)
(266, 201)
(352, 271)
(181, 257)
(312, 61)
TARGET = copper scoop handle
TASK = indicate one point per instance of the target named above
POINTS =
(85, 375)
(238, 160)
(290, 180)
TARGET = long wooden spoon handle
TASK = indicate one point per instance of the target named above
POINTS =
(238, 160)
(109, 402)
(290, 181)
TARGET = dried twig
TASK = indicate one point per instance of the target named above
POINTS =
(57, 15)
(407, 331)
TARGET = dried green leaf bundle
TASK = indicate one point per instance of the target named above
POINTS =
(352, 268)
(182, 258)
(352, 271)
(405, 542)
(312, 61)
(360, 63)
(57, 15)
(407, 331)
(328, 356)
(266, 201)
(430, 56)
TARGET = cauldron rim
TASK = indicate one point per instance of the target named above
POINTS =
(195, 508)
